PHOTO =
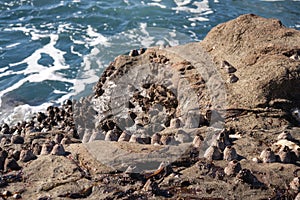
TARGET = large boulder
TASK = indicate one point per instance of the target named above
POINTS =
(266, 56)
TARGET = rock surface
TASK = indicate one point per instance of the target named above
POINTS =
(236, 91)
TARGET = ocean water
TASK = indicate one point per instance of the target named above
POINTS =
(55, 50)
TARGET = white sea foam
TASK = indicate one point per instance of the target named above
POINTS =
(36, 72)
(182, 2)
(12, 45)
(157, 4)
(199, 11)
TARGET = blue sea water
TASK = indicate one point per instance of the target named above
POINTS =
(54, 50)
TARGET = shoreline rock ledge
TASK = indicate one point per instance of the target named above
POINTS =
(216, 119)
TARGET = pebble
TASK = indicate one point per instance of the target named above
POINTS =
(218, 143)
(36, 150)
(58, 137)
(246, 176)
(65, 140)
(146, 139)
(3, 156)
(111, 136)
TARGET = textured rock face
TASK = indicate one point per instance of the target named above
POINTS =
(266, 57)
(201, 120)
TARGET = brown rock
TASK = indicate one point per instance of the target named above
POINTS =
(259, 49)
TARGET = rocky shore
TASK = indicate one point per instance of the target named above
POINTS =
(217, 119)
